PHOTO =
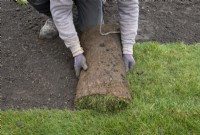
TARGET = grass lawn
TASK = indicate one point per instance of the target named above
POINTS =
(22, 2)
(165, 87)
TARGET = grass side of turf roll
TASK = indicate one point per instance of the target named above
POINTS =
(102, 103)
(22, 2)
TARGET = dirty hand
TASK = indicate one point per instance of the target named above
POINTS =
(79, 63)
(129, 62)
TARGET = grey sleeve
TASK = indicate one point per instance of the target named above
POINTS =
(61, 11)
(129, 13)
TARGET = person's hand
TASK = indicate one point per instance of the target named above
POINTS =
(79, 63)
(129, 62)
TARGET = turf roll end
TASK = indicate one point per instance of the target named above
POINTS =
(102, 103)
(103, 86)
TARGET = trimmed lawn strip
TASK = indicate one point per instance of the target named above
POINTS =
(166, 100)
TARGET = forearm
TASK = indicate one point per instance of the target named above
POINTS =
(61, 11)
(128, 12)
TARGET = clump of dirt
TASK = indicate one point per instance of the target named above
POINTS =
(39, 73)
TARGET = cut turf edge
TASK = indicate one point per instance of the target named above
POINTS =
(102, 103)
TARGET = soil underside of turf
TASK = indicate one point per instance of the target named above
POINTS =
(39, 73)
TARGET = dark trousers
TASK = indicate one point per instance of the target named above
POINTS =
(42, 6)
(90, 12)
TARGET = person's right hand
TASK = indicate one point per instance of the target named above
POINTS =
(79, 63)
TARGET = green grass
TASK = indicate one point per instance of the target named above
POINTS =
(102, 103)
(166, 101)
(22, 2)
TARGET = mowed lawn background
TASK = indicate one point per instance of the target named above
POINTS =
(165, 87)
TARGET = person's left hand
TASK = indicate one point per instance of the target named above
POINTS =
(129, 62)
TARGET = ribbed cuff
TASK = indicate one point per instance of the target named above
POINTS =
(76, 50)
(128, 49)
(75, 47)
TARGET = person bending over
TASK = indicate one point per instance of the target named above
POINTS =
(90, 13)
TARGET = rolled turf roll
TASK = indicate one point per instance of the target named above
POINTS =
(103, 87)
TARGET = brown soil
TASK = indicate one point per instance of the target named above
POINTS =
(37, 74)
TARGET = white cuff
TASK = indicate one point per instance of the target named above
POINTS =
(74, 46)
(76, 50)
(127, 49)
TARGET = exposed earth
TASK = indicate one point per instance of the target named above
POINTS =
(39, 73)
